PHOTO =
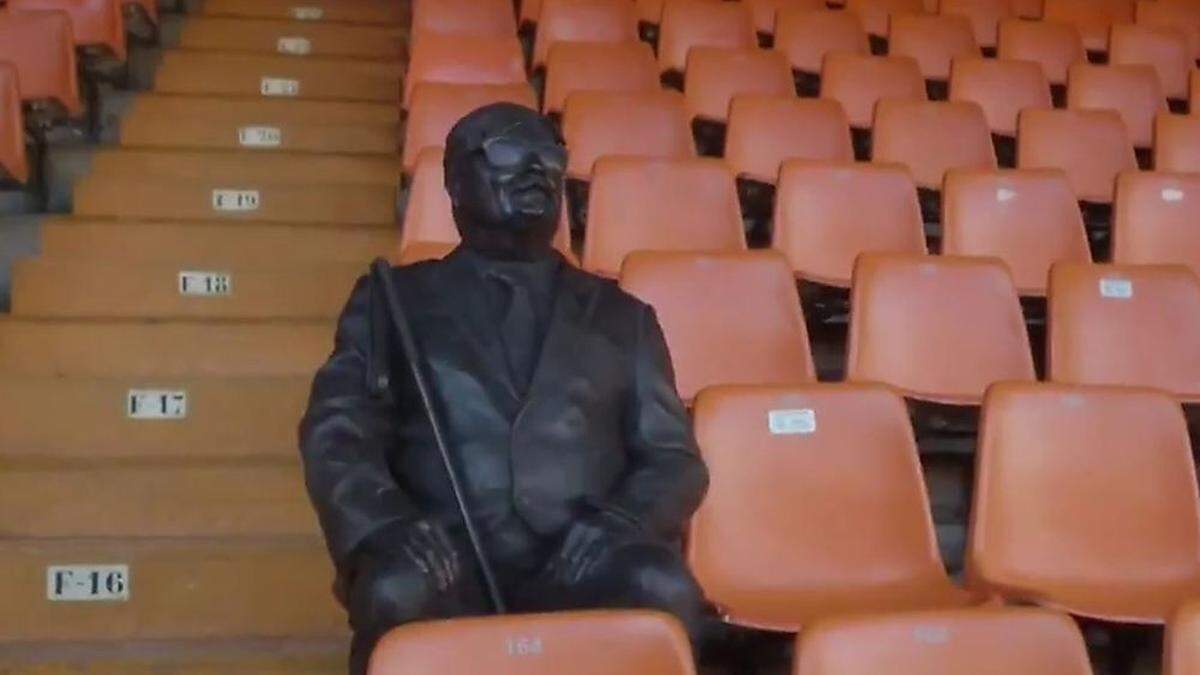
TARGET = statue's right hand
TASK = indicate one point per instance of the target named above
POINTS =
(426, 544)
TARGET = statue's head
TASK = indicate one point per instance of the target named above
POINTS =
(504, 173)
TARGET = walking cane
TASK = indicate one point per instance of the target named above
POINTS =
(381, 271)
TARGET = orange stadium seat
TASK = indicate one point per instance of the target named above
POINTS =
(1056, 46)
(316, 38)
(939, 329)
(934, 41)
(714, 76)
(1134, 325)
(42, 47)
(876, 15)
(1091, 146)
(464, 17)
(13, 161)
(1028, 9)
(655, 204)
(764, 131)
(993, 640)
(687, 24)
(1177, 143)
(932, 137)
(1133, 91)
(539, 644)
(1076, 510)
(985, 17)
(647, 124)
(1027, 218)
(805, 37)
(845, 451)
(457, 59)
(1166, 49)
(345, 11)
(437, 106)
(1093, 18)
(1002, 88)
(858, 82)
(1182, 16)
(1180, 653)
(827, 213)
(1195, 93)
(766, 12)
(1156, 219)
(597, 66)
(94, 23)
(728, 318)
(583, 21)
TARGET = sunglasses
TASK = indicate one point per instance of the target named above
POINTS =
(507, 153)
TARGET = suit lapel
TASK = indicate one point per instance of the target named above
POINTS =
(572, 303)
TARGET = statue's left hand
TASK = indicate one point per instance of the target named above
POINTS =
(588, 540)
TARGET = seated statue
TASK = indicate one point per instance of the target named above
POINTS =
(557, 399)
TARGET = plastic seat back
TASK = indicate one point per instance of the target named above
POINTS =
(827, 213)
(932, 137)
(1093, 18)
(598, 66)
(1156, 219)
(42, 47)
(728, 318)
(858, 82)
(765, 131)
(939, 329)
(805, 37)
(1181, 648)
(586, 643)
(1182, 16)
(1056, 46)
(1090, 146)
(645, 124)
(714, 76)
(934, 41)
(94, 23)
(985, 16)
(1167, 50)
(436, 107)
(1134, 325)
(464, 59)
(1133, 91)
(692, 23)
(1002, 88)
(1083, 495)
(993, 641)
(1177, 143)
(583, 21)
(13, 161)
(766, 12)
(1027, 218)
(1195, 107)
(464, 17)
(876, 15)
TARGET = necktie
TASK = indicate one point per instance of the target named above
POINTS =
(518, 330)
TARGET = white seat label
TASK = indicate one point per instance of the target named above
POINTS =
(87, 583)
(260, 137)
(205, 284)
(279, 86)
(1121, 289)
(298, 46)
(1172, 195)
(235, 200)
(524, 646)
(156, 404)
(307, 13)
(931, 635)
(782, 422)
(1005, 195)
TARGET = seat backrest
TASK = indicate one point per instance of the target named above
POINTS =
(1084, 485)
(715, 75)
(934, 41)
(583, 21)
(909, 313)
(992, 640)
(464, 17)
(932, 137)
(1133, 91)
(437, 106)
(464, 59)
(876, 15)
(1027, 218)
(1156, 219)
(1181, 644)
(1056, 46)
(1183, 16)
(94, 23)
(846, 451)
(597, 66)
(827, 213)
(647, 124)
(42, 47)
(655, 204)
(858, 82)
(13, 161)
(1167, 50)
(1091, 146)
(1134, 325)
(1195, 97)
(764, 131)
(1002, 88)
(688, 23)
(805, 37)
(610, 641)
(1177, 143)
(1093, 18)
(766, 12)
(728, 318)
(985, 16)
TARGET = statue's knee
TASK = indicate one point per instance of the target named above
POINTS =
(658, 577)
(389, 594)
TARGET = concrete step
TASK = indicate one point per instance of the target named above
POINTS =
(147, 349)
(213, 243)
(259, 110)
(292, 38)
(230, 73)
(237, 656)
(121, 418)
(155, 130)
(351, 11)
(275, 586)
(275, 168)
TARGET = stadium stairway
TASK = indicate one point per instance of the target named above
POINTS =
(157, 356)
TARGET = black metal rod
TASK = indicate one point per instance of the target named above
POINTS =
(381, 270)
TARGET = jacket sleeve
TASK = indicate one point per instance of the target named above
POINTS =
(666, 479)
(346, 435)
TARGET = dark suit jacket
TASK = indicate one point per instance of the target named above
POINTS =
(600, 427)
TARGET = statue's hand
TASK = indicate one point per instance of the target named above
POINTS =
(588, 540)
(426, 544)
